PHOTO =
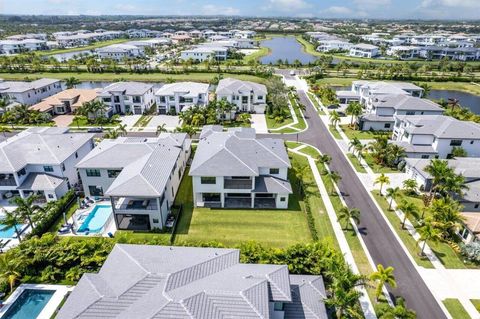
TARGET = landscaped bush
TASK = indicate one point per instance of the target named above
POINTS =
(53, 212)
(472, 251)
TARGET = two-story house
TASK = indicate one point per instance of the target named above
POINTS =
(428, 136)
(172, 98)
(140, 176)
(41, 161)
(119, 52)
(235, 169)
(247, 96)
(380, 110)
(373, 89)
(65, 102)
(363, 50)
(128, 97)
(29, 93)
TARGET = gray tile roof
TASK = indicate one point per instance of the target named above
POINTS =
(370, 117)
(229, 86)
(410, 148)
(19, 87)
(186, 89)
(143, 281)
(236, 152)
(126, 88)
(472, 194)
(272, 184)
(469, 167)
(42, 146)
(406, 102)
(146, 163)
(441, 126)
(41, 181)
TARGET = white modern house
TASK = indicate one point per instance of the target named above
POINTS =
(151, 281)
(333, 45)
(29, 92)
(140, 176)
(10, 47)
(381, 110)
(429, 136)
(174, 97)
(119, 52)
(368, 90)
(403, 52)
(128, 97)
(247, 96)
(234, 169)
(363, 50)
(41, 161)
(205, 53)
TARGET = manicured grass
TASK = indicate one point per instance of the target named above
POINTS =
(361, 135)
(476, 303)
(335, 132)
(255, 56)
(310, 151)
(143, 121)
(150, 77)
(356, 163)
(80, 121)
(376, 168)
(315, 103)
(404, 235)
(274, 228)
(456, 309)
(129, 236)
(95, 45)
(60, 221)
(292, 145)
(301, 125)
(272, 123)
(301, 122)
(457, 86)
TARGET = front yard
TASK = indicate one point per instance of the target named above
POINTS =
(352, 133)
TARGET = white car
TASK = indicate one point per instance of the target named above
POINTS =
(292, 73)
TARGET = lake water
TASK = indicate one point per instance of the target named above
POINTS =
(285, 48)
(61, 57)
(465, 99)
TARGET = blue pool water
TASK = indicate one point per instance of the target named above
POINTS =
(96, 219)
(29, 304)
(10, 232)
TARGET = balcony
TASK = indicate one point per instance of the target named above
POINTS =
(129, 203)
(229, 183)
(7, 180)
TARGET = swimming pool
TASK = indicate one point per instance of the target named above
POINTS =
(10, 232)
(29, 304)
(96, 219)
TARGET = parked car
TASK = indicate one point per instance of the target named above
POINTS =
(292, 73)
(95, 130)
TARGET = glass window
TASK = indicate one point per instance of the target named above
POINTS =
(274, 171)
(425, 156)
(455, 142)
(48, 168)
(278, 306)
(282, 199)
(113, 173)
(95, 190)
(92, 172)
(22, 172)
(208, 180)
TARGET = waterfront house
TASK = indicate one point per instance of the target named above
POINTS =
(29, 93)
(128, 97)
(65, 102)
(174, 97)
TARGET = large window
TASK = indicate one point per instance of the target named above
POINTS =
(208, 180)
(113, 173)
(95, 190)
(274, 171)
(137, 99)
(93, 172)
(48, 168)
(455, 142)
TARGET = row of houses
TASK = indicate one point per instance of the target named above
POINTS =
(216, 49)
(411, 38)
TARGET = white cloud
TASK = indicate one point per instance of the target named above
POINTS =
(371, 3)
(287, 5)
(338, 10)
(475, 4)
(210, 9)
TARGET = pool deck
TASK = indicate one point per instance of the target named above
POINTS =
(109, 228)
(50, 307)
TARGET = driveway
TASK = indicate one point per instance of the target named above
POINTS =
(259, 123)
(130, 120)
(171, 122)
(63, 120)
(380, 241)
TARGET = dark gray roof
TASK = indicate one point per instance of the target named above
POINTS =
(229, 86)
(410, 148)
(272, 184)
(143, 281)
(469, 167)
(370, 117)
(406, 102)
(41, 181)
(236, 152)
(441, 126)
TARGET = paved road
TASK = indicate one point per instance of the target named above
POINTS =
(382, 245)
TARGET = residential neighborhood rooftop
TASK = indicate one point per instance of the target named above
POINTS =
(234, 86)
(79, 96)
(18, 86)
(441, 126)
(189, 89)
(127, 88)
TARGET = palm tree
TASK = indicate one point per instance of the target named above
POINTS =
(122, 129)
(111, 134)
(354, 109)
(9, 270)
(11, 220)
(453, 183)
(382, 179)
(408, 209)
(410, 186)
(26, 207)
(438, 169)
(324, 159)
(71, 82)
(4, 130)
(334, 118)
(335, 178)
(353, 145)
(399, 311)
(345, 302)
(392, 193)
(428, 233)
(346, 214)
(383, 276)
(161, 128)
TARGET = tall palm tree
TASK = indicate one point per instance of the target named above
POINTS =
(161, 128)
(408, 209)
(392, 193)
(453, 183)
(71, 82)
(382, 180)
(334, 118)
(383, 276)
(353, 145)
(438, 169)
(111, 134)
(9, 270)
(122, 129)
(428, 232)
(355, 110)
(335, 178)
(410, 185)
(26, 207)
(324, 159)
(11, 220)
(346, 214)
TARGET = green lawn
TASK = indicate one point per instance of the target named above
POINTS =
(456, 309)
(143, 121)
(150, 77)
(361, 135)
(476, 303)
(274, 228)
(376, 168)
(272, 123)
(315, 102)
(255, 56)
(356, 163)
(301, 125)
(335, 132)
(80, 121)
(404, 235)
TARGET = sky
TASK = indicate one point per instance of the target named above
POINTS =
(376, 9)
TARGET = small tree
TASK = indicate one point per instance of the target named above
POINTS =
(383, 276)
(408, 210)
(335, 178)
(428, 233)
(410, 186)
(382, 180)
(392, 193)
(346, 214)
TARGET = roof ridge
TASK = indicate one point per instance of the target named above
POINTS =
(226, 148)
(132, 259)
(48, 148)
(258, 141)
(276, 179)
(249, 302)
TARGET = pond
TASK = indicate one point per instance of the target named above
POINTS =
(61, 57)
(468, 100)
(285, 48)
